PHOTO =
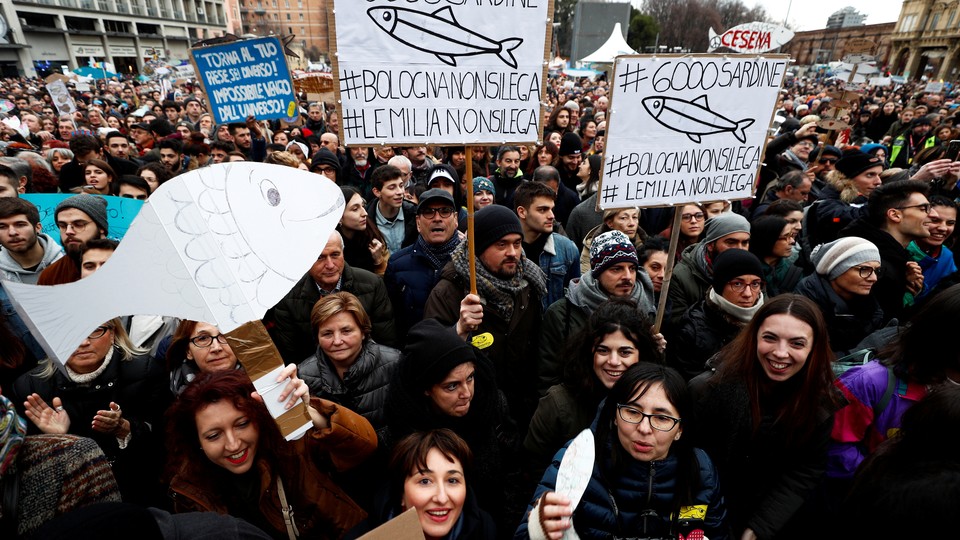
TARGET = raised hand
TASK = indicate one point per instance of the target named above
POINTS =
(50, 420)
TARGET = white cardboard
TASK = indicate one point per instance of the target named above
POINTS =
(687, 128)
(220, 244)
(428, 72)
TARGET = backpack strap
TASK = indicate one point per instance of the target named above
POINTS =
(881, 405)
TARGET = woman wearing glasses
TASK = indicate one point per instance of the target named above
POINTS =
(772, 240)
(764, 417)
(197, 347)
(732, 301)
(846, 271)
(692, 219)
(110, 392)
(648, 480)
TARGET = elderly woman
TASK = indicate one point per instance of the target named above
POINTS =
(107, 391)
(58, 157)
(846, 270)
(197, 347)
(772, 240)
(730, 304)
(228, 456)
(349, 367)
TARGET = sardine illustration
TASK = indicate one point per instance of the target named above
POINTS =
(220, 244)
(440, 34)
(693, 118)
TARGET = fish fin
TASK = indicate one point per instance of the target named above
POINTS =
(447, 59)
(701, 101)
(446, 14)
(741, 126)
(694, 137)
(506, 51)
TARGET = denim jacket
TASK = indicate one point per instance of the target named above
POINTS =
(560, 261)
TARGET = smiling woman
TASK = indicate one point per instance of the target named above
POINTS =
(197, 347)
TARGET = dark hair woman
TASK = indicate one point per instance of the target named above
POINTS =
(363, 244)
(646, 469)
(764, 416)
(227, 455)
(772, 240)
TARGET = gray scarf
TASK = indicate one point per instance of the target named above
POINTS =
(499, 293)
(587, 294)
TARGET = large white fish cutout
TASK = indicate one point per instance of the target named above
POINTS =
(220, 244)
(752, 37)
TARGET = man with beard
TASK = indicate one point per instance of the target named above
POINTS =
(504, 317)
(359, 171)
(571, 148)
(556, 254)
(26, 250)
(420, 163)
(80, 218)
(507, 176)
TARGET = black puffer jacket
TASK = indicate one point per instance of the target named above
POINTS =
(365, 385)
(703, 330)
(289, 321)
(848, 322)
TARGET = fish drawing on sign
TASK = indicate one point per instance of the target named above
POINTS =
(693, 118)
(752, 37)
(440, 34)
(220, 244)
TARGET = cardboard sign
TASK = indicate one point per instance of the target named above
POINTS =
(858, 45)
(406, 526)
(120, 212)
(61, 97)
(244, 78)
(687, 129)
(933, 88)
(419, 72)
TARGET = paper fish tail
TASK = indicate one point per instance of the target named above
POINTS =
(506, 51)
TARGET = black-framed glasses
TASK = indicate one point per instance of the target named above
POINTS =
(325, 170)
(925, 207)
(867, 271)
(828, 161)
(738, 285)
(692, 217)
(206, 340)
(99, 332)
(659, 422)
(430, 213)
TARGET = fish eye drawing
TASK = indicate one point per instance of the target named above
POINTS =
(694, 118)
(440, 34)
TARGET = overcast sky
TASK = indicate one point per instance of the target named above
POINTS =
(812, 14)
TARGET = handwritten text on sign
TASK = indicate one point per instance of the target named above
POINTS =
(447, 73)
(687, 129)
(246, 78)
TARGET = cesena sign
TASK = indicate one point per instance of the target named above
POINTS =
(754, 37)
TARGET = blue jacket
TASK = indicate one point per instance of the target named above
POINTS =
(409, 278)
(596, 518)
(560, 261)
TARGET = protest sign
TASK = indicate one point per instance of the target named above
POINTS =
(420, 73)
(752, 37)
(61, 97)
(244, 78)
(933, 87)
(120, 212)
(687, 128)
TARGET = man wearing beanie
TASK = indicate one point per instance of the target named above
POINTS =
(613, 273)
(508, 174)
(711, 323)
(844, 199)
(80, 218)
(325, 163)
(898, 213)
(846, 271)
(571, 154)
(693, 275)
(917, 137)
(505, 317)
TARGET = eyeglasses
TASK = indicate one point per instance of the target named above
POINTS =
(430, 213)
(805, 144)
(867, 271)
(659, 422)
(692, 217)
(788, 237)
(828, 161)
(99, 332)
(78, 225)
(206, 340)
(325, 170)
(925, 207)
(739, 286)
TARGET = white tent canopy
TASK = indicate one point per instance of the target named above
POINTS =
(615, 46)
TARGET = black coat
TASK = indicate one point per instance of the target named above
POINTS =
(703, 330)
(848, 322)
(892, 283)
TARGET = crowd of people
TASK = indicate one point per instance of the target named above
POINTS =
(803, 383)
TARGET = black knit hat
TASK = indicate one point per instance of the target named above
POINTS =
(853, 162)
(570, 144)
(94, 206)
(492, 223)
(733, 263)
(324, 157)
(432, 351)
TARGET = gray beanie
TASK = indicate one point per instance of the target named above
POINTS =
(94, 206)
(726, 223)
(838, 256)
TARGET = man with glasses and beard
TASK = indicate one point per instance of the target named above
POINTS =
(80, 218)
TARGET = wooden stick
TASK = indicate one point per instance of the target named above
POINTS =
(668, 273)
(472, 256)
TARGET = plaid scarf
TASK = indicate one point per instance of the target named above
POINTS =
(438, 255)
(499, 293)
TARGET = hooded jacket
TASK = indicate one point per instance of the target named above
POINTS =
(688, 285)
(11, 270)
(848, 322)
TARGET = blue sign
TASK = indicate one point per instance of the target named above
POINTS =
(245, 78)
(120, 212)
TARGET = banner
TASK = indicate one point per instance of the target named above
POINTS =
(417, 72)
(244, 78)
(120, 212)
(61, 97)
(687, 128)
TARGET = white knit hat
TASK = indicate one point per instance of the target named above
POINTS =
(838, 256)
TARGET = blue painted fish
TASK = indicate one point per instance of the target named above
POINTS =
(440, 34)
(221, 244)
(693, 118)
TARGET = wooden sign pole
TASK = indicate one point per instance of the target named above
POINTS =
(472, 256)
(668, 272)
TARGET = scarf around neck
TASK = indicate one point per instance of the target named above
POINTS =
(737, 313)
(438, 255)
(498, 292)
(12, 430)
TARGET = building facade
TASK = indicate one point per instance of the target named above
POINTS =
(46, 35)
(845, 17)
(827, 45)
(304, 19)
(926, 40)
